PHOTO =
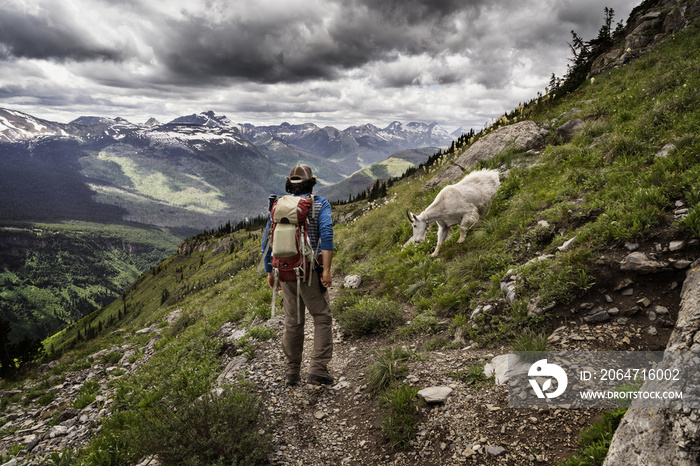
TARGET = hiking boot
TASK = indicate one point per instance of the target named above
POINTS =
(292, 380)
(320, 379)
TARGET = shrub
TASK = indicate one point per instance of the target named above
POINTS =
(262, 333)
(112, 358)
(475, 374)
(399, 421)
(86, 394)
(106, 450)
(595, 440)
(421, 324)
(65, 458)
(437, 343)
(460, 320)
(214, 429)
(46, 398)
(388, 368)
(247, 346)
(691, 223)
(530, 346)
(561, 280)
(183, 321)
(369, 316)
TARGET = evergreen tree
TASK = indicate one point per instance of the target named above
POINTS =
(585, 52)
(6, 360)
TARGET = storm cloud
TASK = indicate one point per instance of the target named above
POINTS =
(326, 61)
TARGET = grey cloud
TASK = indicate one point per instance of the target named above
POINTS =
(43, 37)
(264, 53)
(398, 80)
(413, 12)
(585, 18)
(353, 60)
(492, 76)
(283, 50)
(51, 97)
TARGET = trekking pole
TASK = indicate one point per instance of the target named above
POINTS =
(274, 293)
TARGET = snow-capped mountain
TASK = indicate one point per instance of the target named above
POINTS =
(197, 171)
(17, 126)
(354, 147)
(203, 119)
(93, 127)
(178, 175)
(459, 132)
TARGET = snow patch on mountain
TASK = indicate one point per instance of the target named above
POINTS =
(203, 119)
(17, 126)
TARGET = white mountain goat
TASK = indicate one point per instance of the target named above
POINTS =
(460, 204)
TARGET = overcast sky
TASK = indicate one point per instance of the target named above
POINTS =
(330, 62)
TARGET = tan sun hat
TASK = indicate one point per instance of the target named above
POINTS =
(300, 173)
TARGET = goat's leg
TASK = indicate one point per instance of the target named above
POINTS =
(443, 230)
(468, 220)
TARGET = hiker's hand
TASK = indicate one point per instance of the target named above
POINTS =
(271, 281)
(326, 278)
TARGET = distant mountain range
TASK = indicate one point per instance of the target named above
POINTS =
(195, 172)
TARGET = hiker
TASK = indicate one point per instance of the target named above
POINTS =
(309, 293)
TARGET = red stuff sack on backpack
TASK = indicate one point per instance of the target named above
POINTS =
(292, 254)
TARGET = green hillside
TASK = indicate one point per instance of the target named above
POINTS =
(362, 180)
(605, 188)
(52, 274)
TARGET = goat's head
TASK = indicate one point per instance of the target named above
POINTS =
(420, 228)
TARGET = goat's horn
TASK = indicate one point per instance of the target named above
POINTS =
(409, 215)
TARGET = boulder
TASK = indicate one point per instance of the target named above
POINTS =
(568, 130)
(509, 289)
(173, 316)
(352, 281)
(675, 246)
(435, 395)
(666, 435)
(639, 262)
(498, 367)
(234, 367)
(648, 26)
(597, 315)
(665, 150)
(524, 135)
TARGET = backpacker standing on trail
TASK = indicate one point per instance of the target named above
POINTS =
(304, 284)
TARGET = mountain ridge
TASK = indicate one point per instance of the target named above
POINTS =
(115, 158)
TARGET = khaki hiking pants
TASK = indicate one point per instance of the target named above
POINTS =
(319, 307)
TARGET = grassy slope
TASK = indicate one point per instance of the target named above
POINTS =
(361, 180)
(201, 266)
(605, 187)
(52, 275)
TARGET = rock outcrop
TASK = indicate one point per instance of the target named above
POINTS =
(649, 23)
(666, 435)
(525, 135)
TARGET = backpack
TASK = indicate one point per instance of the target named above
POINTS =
(293, 258)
